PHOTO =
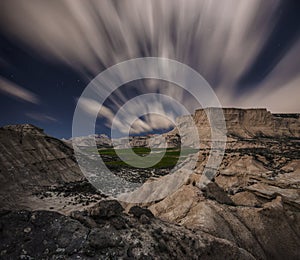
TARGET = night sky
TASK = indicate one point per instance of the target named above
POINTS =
(249, 52)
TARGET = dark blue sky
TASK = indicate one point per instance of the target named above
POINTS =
(56, 85)
(49, 52)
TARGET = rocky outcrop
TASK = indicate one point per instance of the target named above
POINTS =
(106, 233)
(253, 201)
(31, 160)
(267, 228)
(241, 124)
(167, 140)
(250, 210)
(255, 123)
(102, 141)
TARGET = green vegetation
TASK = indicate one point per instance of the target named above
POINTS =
(169, 160)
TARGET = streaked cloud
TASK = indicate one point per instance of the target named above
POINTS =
(11, 89)
(219, 39)
(156, 115)
(279, 92)
(85, 34)
(41, 117)
(88, 105)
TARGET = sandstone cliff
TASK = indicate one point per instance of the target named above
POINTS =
(254, 200)
(242, 124)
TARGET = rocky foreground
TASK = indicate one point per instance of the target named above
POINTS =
(250, 210)
(106, 232)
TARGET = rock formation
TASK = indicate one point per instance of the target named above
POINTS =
(102, 140)
(254, 200)
(106, 232)
(167, 140)
(241, 124)
(250, 210)
(31, 160)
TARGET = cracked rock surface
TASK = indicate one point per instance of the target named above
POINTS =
(105, 232)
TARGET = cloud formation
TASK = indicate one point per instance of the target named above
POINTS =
(278, 92)
(11, 89)
(137, 115)
(220, 39)
(208, 35)
(41, 117)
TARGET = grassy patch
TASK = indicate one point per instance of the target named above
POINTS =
(169, 160)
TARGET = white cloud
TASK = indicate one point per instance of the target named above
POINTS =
(220, 39)
(154, 110)
(11, 89)
(278, 92)
(41, 117)
(85, 32)
(210, 35)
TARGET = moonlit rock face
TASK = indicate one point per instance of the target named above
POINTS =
(255, 189)
(25, 129)
(244, 123)
(30, 159)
